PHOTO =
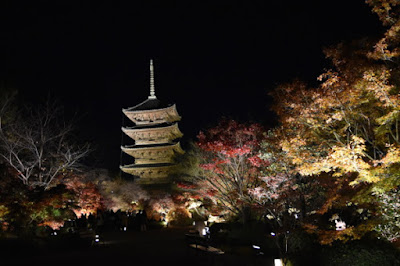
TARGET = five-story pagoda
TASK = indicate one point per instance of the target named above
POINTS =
(156, 138)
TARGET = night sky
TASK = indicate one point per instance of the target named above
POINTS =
(212, 58)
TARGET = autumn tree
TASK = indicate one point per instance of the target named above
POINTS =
(389, 210)
(39, 146)
(87, 196)
(23, 209)
(348, 126)
(123, 195)
(284, 199)
(229, 165)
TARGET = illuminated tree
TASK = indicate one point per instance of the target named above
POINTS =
(389, 208)
(88, 197)
(348, 127)
(160, 206)
(51, 207)
(388, 11)
(230, 165)
(285, 199)
(277, 180)
(123, 195)
(39, 146)
(23, 209)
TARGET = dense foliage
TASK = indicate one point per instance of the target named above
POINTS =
(330, 168)
(230, 165)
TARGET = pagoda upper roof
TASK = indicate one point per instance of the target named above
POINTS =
(152, 111)
(148, 104)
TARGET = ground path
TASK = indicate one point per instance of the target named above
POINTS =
(154, 247)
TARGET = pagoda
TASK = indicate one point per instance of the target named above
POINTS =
(156, 139)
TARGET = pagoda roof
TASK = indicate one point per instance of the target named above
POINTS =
(151, 126)
(158, 127)
(147, 166)
(151, 146)
(151, 103)
(148, 104)
(152, 116)
(153, 135)
(146, 152)
(136, 169)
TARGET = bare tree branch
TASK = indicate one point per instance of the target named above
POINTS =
(38, 144)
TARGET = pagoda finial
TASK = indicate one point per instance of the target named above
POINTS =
(152, 89)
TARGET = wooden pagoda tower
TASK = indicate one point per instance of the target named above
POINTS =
(156, 139)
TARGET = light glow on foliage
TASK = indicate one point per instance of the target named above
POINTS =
(345, 133)
(230, 164)
(55, 225)
(215, 219)
(88, 196)
(389, 202)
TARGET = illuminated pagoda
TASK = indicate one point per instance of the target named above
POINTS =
(156, 139)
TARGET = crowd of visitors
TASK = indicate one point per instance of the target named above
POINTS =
(109, 221)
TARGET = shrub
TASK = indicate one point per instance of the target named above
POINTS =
(365, 252)
(179, 217)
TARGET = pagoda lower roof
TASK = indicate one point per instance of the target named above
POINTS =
(149, 146)
(150, 173)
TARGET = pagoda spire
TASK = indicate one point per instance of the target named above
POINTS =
(152, 89)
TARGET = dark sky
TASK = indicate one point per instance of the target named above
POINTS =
(212, 58)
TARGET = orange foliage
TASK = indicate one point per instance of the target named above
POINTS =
(89, 198)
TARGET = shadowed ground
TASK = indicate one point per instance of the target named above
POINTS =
(153, 247)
